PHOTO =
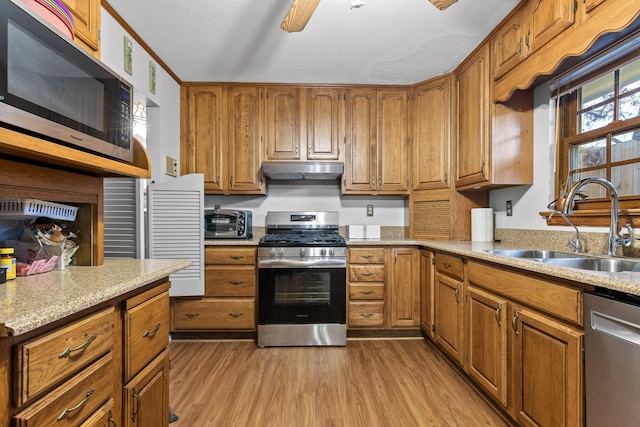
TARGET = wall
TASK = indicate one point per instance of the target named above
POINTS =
(163, 107)
(321, 196)
(528, 201)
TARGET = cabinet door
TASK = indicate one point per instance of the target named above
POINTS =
(547, 370)
(473, 120)
(426, 297)
(245, 129)
(431, 134)
(392, 140)
(323, 123)
(508, 44)
(547, 19)
(86, 20)
(487, 345)
(404, 289)
(283, 123)
(361, 159)
(448, 309)
(203, 152)
(146, 397)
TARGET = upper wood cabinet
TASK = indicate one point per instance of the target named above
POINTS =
(495, 140)
(431, 134)
(245, 135)
(86, 17)
(221, 132)
(529, 28)
(376, 141)
(204, 151)
(324, 113)
(282, 123)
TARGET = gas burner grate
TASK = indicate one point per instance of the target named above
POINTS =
(302, 239)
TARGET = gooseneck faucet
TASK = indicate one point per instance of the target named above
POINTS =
(615, 240)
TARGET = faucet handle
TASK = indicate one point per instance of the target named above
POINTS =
(628, 240)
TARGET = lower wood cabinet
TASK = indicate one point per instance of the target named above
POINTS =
(525, 341)
(229, 301)
(383, 287)
(449, 306)
(426, 289)
(107, 368)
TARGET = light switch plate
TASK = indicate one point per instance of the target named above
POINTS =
(128, 56)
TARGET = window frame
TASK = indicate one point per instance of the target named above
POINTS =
(592, 212)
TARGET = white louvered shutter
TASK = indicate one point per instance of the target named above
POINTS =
(176, 230)
(122, 218)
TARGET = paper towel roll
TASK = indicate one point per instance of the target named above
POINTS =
(482, 225)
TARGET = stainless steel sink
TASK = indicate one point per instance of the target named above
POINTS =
(537, 254)
(596, 264)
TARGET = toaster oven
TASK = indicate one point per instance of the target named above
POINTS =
(227, 224)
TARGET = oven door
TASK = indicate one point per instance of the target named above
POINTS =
(302, 296)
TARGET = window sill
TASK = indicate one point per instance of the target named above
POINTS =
(595, 218)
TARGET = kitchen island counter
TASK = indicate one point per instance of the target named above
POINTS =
(27, 303)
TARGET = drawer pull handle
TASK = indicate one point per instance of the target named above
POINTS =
(68, 350)
(152, 331)
(78, 406)
(367, 256)
(111, 420)
(136, 396)
(192, 315)
(367, 274)
(446, 265)
(367, 292)
(236, 282)
(236, 315)
(366, 315)
(514, 321)
(236, 257)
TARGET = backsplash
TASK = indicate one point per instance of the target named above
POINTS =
(595, 243)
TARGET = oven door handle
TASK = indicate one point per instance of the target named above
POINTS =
(301, 263)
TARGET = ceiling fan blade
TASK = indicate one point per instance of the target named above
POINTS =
(299, 14)
(442, 4)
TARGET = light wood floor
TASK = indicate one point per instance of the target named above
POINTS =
(368, 383)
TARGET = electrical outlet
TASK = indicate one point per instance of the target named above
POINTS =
(509, 208)
(170, 166)
(369, 210)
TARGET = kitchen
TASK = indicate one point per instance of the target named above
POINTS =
(391, 211)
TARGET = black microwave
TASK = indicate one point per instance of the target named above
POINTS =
(227, 224)
(52, 88)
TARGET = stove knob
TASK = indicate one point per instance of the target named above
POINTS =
(272, 252)
(323, 251)
(281, 251)
(330, 251)
(303, 252)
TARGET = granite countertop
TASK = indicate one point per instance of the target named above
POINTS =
(27, 303)
(628, 282)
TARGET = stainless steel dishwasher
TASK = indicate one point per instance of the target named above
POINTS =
(612, 358)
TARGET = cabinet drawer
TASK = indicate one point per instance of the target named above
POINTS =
(146, 332)
(366, 273)
(229, 255)
(366, 314)
(366, 291)
(230, 281)
(450, 265)
(103, 417)
(554, 298)
(366, 256)
(73, 401)
(214, 313)
(43, 361)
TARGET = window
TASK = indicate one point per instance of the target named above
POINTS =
(600, 134)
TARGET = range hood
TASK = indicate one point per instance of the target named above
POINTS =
(303, 170)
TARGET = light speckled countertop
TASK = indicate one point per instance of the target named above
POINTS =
(26, 303)
(628, 282)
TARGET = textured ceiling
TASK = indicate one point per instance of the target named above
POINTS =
(382, 42)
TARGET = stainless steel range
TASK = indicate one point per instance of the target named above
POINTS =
(302, 281)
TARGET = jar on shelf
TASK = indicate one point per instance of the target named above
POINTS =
(8, 262)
